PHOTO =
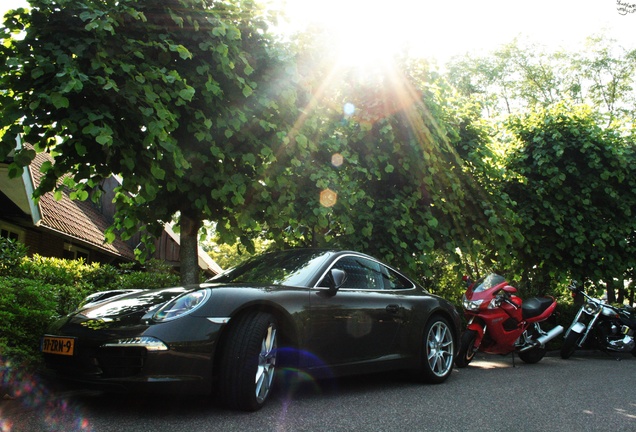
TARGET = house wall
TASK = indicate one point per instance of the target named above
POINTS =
(167, 249)
(50, 245)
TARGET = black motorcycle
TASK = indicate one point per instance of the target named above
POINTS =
(601, 326)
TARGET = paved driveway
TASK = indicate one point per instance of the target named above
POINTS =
(589, 392)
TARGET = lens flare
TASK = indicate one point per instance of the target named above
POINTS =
(349, 109)
(328, 198)
(29, 393)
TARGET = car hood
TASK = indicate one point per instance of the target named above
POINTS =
(130, 306)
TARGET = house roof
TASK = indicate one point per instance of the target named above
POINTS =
(78, 220)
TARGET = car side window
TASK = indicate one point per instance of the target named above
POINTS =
(361, 273)
(394, 280)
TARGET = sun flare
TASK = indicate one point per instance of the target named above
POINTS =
(365, 33)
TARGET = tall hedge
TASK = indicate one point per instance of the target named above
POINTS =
(34, 291)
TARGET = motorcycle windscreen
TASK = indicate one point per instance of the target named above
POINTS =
(487, 282)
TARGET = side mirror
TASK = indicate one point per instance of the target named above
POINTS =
(338, 277)
(509, 289)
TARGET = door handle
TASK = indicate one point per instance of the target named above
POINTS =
(393, 308)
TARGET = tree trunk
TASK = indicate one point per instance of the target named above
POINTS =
(611, 293)
(188, 251)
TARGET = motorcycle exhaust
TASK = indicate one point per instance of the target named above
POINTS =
(542, 340)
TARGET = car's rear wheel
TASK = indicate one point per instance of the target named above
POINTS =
(438, 352)
(248, 364)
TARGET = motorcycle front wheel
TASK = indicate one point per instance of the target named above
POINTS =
(466, 349)
(569, 345)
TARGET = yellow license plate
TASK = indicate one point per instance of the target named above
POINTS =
(58, 345)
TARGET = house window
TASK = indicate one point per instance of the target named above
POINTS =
(11, 232)
(73, 252)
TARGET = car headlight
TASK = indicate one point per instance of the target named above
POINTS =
(150, 343)
(472, 305)
(181, 305)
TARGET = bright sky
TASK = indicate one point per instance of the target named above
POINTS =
(444, 28)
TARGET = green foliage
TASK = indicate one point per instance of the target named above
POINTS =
(520, 76)
(182, 98)
(575, 189)
(37, 290)
(12, 253)
(57, 271)
(155, 274)
(26, 309)
(408, 169)
(230, 255)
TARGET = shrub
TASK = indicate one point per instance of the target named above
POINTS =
(35, 291)
(12, 253)
(26, 309)
(57, 270)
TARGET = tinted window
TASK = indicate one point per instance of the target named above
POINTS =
(394, 280)
(361, 273)
(294, 268)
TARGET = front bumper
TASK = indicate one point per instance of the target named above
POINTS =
(185, 367)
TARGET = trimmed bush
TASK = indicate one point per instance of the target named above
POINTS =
(26, 309)
(35, 291)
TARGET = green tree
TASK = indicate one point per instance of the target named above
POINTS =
(186, 100)
(607, 74)
(575, 188)
(522, 75)
(403, 166)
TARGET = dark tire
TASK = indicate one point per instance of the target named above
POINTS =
(467, 349)
(569, 345)
(533, 355)
(248, 364)
(438, 352)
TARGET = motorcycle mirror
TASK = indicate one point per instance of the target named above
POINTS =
(510, 289)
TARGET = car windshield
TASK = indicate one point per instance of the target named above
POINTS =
(292, 267)
(488, 282)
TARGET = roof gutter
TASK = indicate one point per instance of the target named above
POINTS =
(27, 180)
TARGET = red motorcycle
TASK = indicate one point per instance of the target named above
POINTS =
(499, 322)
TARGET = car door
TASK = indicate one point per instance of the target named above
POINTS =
(360, 322)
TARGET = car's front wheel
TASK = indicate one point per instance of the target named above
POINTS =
(249, 361)
(438, 351)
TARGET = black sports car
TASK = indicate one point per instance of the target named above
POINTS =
(326, 312)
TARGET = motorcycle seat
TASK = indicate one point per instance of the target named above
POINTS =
(628, 321)
(535, 306)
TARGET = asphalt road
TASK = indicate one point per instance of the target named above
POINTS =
(589, 392)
